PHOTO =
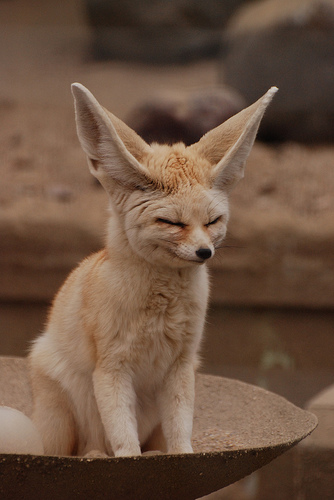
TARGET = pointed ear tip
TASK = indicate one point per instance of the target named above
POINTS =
(75, 89)
(78, 89)
(271, 92)
(273, 89)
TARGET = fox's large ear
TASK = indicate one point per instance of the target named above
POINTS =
(227, 146)
(113, 149)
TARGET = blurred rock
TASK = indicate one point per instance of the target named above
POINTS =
(316, 454)
(144, 13)
(155, 45)
(158, 31)
(289, 44)
(184, 116)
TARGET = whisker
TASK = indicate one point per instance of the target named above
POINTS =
(229, 246)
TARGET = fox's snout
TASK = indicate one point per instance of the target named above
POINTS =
(195, 254)
(196, 249)
(201, 245)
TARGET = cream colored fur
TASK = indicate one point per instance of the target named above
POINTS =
(114, 369)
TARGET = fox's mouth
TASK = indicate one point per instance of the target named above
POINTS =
(195, 260)
(198, 260)
(191, 259)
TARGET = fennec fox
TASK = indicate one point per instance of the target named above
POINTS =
(115, 366)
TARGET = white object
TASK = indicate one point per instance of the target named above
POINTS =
(18, 434)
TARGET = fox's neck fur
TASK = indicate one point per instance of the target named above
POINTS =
(114, 369)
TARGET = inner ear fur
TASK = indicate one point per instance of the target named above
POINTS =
(113, 149)
(227, 146)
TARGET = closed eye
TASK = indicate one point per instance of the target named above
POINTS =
(171, 223)
(214, 221)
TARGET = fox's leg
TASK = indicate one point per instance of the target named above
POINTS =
(116, 401)
(177, 407)
(52, 415)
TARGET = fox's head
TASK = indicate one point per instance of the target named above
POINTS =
(171, 202)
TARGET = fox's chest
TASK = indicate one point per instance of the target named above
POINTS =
(165, 320)
(165, 331)
(154, 329)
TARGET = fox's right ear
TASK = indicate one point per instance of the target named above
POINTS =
(227, 146)
(113, 149)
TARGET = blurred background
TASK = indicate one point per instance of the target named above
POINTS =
(173, 70)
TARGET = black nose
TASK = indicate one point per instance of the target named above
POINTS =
(204, 253)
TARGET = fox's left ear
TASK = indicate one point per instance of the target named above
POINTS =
(227, 146)
(114, 151)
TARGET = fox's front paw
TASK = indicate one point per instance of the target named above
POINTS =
(180, 448)
(128, 451)
(150, 453)
(96, 454)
